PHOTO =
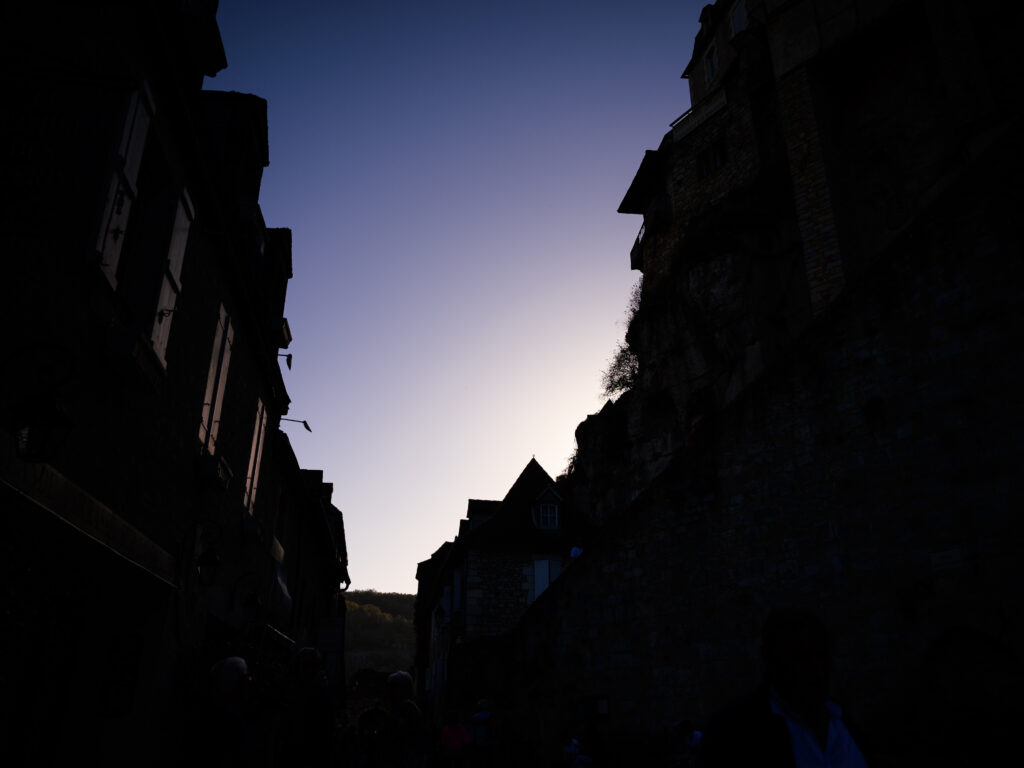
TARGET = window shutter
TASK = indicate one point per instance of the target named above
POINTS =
(170, 286)
(216, 381)
(222, 380)
(255, 455)
(540, 577)
(123, 187)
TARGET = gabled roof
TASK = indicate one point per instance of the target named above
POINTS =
(532, 481)
(497, 524)
(511, 526)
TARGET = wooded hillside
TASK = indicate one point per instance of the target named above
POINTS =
(379, 632)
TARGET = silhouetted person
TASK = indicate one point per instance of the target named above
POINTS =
(390, 734)
(405, 724)
(686, 742)
(790, 721)
(224, 738)
(484, 730)
(310, 713)
(369, 746)
(572, 753)
(454, 742)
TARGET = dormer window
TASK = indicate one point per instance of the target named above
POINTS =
(546, 517)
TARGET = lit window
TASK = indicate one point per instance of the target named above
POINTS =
(122, 189)
(252, 477)
(216, 381)
(171, 284)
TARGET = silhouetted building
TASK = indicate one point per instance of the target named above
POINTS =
(826, 410)
(155, 518)
(474, 590)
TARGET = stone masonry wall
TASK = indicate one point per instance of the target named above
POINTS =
(497, 593)
(811, 190)
(871, 478)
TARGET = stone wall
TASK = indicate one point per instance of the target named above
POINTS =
(497, 592)
(871, 478)
(827, 413)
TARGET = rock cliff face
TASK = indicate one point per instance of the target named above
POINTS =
(826, 408)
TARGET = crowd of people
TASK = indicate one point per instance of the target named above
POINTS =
(788, 720)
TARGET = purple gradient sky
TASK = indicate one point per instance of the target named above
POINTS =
(450, 172)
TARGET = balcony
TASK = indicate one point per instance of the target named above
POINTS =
(694, 117)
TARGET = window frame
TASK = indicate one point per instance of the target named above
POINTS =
(252, 476)
(548, 517)
(545, 571)
(170, 284)
(216, 382)
(122, 190)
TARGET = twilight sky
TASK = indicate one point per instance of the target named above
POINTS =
(450, 172)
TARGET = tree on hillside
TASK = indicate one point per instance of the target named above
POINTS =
(379, 637)
(395, 603)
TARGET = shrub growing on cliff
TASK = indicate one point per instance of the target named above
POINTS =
(621, 374)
